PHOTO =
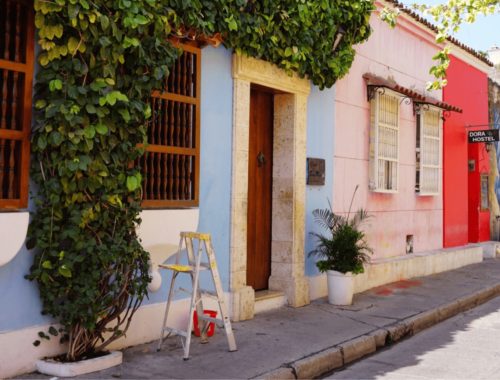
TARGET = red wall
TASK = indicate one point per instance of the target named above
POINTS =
(467, 88)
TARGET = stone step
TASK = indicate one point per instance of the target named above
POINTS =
(266, 300)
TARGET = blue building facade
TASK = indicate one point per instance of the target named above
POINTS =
(20, 319)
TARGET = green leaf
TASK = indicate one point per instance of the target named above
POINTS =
(40, 104)
(47, 264)
(42, 142)
(233, 25)
(72, 44)
(111, 98)
(64, 271)
(43, 59)
(36, 343)
(90, 108)
(56, 137)
(53, 331)
(89, 131)
(101, 129)
(58, 30)
(140, 19)
(31, 243)
(39, 20)
(104, 22)
(83, 163)
(132, 183)
(124, 113)
(104, 41)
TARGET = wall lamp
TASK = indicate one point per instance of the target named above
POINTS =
(340, 34)
(488, 147)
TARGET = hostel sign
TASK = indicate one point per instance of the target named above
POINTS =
(485, 136)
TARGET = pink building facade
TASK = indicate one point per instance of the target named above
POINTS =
(404, 56)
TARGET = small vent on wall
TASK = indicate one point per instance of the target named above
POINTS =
(409, 243)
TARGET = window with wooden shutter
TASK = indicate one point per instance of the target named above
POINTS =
(16, 84)
(172, 161)
(384, 143)
(428, 152)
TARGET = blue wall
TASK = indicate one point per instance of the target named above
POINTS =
(19, 298)
(215, 168)
(320, 143)
(20, 304)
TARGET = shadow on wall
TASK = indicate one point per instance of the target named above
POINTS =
(494, 179)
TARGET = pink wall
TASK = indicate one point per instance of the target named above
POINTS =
(404, 55)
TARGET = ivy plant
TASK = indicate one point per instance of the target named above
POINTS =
(101, 61)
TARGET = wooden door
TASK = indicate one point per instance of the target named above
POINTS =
(260, 185)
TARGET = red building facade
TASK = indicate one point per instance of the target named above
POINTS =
(465, 166)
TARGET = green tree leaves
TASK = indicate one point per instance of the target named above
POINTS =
(449, 17)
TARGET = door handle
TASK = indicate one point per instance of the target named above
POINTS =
(262, 159)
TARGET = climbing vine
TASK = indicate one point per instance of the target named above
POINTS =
(101, 60)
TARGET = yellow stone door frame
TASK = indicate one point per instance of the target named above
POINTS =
(289, 185)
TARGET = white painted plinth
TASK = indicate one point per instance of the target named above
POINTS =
(405, 267)
(54, 368)
(491, 249)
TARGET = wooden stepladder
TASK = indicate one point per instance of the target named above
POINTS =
(193, 269)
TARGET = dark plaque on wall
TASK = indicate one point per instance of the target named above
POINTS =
(316, 171)
(484, 136)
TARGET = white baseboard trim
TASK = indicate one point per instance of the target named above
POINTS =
(386, 271)
(18, 355)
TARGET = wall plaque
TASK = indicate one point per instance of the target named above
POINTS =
(316, 171)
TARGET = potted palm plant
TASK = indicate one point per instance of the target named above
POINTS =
(343, 252)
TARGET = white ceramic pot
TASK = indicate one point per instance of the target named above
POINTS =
(340, 287)
(54, 368)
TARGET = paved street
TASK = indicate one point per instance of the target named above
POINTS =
(464, 347)
(314, 339)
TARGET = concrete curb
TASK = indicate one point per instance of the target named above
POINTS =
(337, 356)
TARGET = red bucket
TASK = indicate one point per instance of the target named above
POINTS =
(211, 327)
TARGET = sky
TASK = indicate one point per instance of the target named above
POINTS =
(480, 35)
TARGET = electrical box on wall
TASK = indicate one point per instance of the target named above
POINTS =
(472, 165)
(316, 171)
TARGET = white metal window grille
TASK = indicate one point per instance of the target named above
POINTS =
(384, 143)
(428, 152)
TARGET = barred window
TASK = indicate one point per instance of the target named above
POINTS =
(171, 163)
(384, 143)
(16, 84)
(428, 152)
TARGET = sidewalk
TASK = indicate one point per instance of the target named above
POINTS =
(313, 340)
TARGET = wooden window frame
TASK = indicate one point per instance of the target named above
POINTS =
(374, 161)
(26, 106)
(195, 152)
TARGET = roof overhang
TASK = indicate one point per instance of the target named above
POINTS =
(374, 83)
